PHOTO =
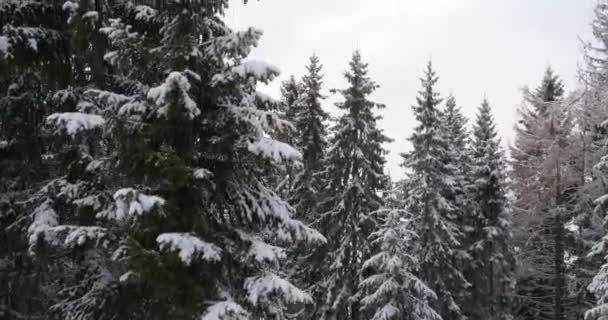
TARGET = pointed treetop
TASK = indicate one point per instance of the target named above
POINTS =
(485, 127)
(551, 88)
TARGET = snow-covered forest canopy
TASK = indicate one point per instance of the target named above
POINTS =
(143, 175)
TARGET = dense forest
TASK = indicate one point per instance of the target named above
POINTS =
(144, 176)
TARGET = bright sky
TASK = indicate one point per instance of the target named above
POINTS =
(490, 48)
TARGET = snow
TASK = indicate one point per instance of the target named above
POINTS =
(45, 217)
(70, 6)
(93, 15)
(267, 287)
(225, 310)
(94, 165)
(238, 44)
(274, 150)
(130, 202)
(75, 122)
(261, 251)
(262, 121)
(145, 13)
(125, 276)
(33, 44)
(189, 247)
(4, 144)
(79, 235)
(202, 174)
(175, 81)
(261, 71)
(4, 47)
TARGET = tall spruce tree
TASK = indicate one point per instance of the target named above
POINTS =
(391, 289)
(430, 200)
(165, 201)
(305, 194)
(355, 164)
(310, 120)
(492, 268)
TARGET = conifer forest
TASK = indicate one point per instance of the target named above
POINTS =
(145, 176)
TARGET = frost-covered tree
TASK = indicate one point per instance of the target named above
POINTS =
(492, 261)
(430, 201)
(355, 176)
(391, 289)
(593, 114)
(544, 187)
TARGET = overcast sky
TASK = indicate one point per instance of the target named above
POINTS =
(490, 48)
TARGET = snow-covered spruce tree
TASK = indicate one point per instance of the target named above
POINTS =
(594, 116)
(491, 272)
(40, 43)
(309, 119)
(435, 215)
(291, 90)
(544, 186)
(391, 289)
(200, 231)
(457, 163)
(290, 95)
(355, 176)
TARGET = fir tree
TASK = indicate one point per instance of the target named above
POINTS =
(355, 176)
(430, 200)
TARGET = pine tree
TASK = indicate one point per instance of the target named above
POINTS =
(355, 176)
(429, 201)
(491, 273)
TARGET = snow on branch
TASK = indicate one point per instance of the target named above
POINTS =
(261, 251)
(258, 202)
(225, 310)
(235, 44)
(270, 286)
(44, 217)
(45, 227)
(274, 150)
(130, 202)
(258, 70)
(73, 123)
(262, 121)
(189, 247)
(175, 83)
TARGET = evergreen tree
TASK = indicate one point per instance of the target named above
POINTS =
(543, 190)
(355, 175)
(491, 273)
(309, 119)
(391, 289)
(457, 163)
(430, 200)
(165, 200)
